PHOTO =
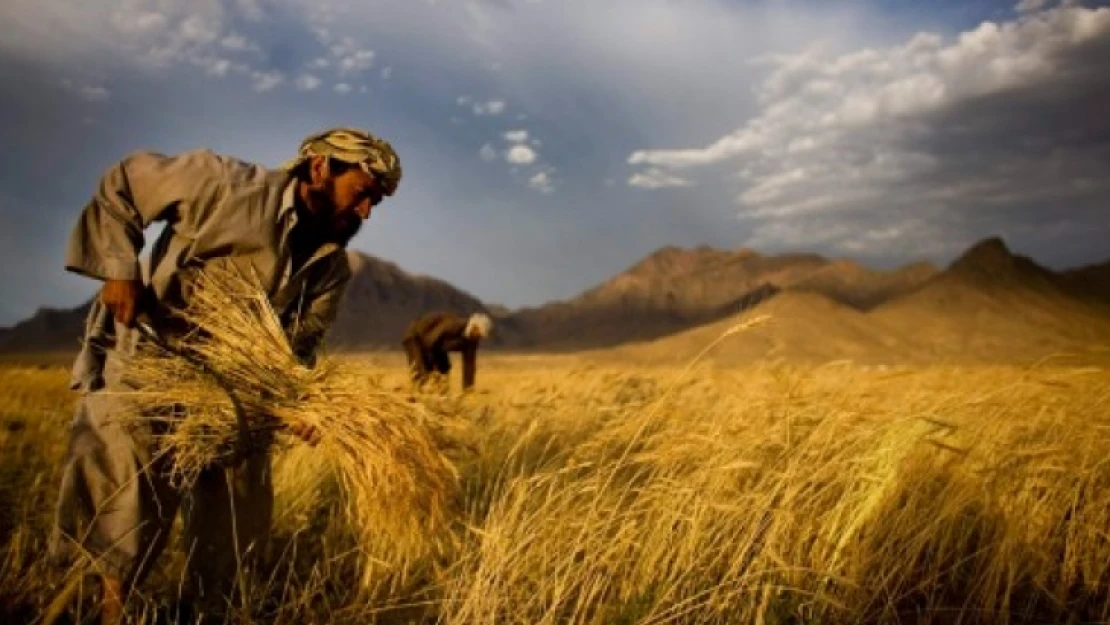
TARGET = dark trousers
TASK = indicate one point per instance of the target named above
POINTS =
(423, 361)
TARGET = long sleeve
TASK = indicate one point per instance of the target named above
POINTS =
(142, 188)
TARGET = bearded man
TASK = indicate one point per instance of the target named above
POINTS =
(288, 226)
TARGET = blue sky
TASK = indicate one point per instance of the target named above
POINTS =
(549, 144)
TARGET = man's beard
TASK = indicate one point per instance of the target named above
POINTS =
(328, 221)
(344, 227)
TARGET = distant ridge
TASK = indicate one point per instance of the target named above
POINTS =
(988, 300)
(989, 305)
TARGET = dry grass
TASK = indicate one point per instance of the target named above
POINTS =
(235, 385)
(765, 494)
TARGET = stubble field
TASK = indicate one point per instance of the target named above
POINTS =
(602, 494)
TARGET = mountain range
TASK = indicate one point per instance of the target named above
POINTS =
(989, 304)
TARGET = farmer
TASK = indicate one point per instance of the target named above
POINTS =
(428, 340)
(289, 226)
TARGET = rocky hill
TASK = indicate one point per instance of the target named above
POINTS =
(674, 288)
(48, 330)
(987, 299)
(862, 288)
(989, 305)
(381, 300)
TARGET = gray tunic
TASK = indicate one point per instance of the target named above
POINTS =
(217, 210)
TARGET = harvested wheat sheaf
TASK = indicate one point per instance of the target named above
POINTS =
(235, 385)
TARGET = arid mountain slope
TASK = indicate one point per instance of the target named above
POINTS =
(48, 330)
(988, 306)
(862, 288)
(673, 289)
(381, 300)
(802, 327)
(987, 301)
(1090, 282)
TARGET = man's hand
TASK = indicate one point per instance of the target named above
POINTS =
(122, 298)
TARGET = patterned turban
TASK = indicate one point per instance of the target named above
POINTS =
(352, 145)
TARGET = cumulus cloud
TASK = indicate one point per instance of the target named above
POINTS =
(520, 155)
(655, 178)
(488, 153)
(541, 182)
(87, 92)
(516, 136)
(239, 43)
(351, 58)
(343, 87)
(491, 107)
(265, 81)
(307, 82)
(218, 37)
(217, 66)
(993, 126)
(1026, 6)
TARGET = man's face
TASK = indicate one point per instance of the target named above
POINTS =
(341, 197)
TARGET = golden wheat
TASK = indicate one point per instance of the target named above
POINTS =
(234, 386)
(767, 494)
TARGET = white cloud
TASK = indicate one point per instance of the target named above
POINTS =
(217, 66)
(387, 73)
(139, 22)
(343, 87)
(516, 136)
(200, 29)
(322, 34)
(875, 132)
(356, 62)
(488, 153)
(1027, 6)
(319, 63)
(346, 45)
(541, 182)
(491, 107)
(95, 94)
(307, 82)
(520, 155)
(656, 179)
(87, 92)
(239, 43)
(265, 81)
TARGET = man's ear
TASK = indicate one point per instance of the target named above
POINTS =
(318, 169)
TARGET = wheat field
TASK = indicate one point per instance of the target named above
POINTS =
(593, 493)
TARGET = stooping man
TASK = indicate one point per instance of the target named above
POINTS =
(290, 226)
(428, 340)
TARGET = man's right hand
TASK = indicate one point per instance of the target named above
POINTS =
(122, 298)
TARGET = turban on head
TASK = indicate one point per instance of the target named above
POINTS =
(355, 146)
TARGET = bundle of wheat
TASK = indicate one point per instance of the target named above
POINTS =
(234, 384)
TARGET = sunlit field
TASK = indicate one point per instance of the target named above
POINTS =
(600, 494)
